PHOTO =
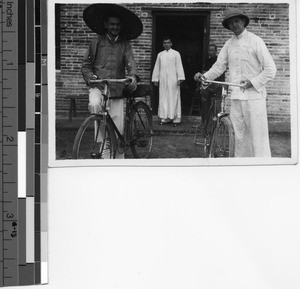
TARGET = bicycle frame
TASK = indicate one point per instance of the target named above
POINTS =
(225, 86)
(122, 137)
(130, 101)
(223, 103)
(217, 118)
(138, 133)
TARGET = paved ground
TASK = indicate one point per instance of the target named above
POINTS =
(172, 142)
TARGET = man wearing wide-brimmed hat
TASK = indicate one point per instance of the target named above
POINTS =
(110, 54)
(250, 64)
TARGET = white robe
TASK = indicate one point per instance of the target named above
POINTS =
(167, 71)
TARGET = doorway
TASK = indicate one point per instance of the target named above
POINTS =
(189, 32)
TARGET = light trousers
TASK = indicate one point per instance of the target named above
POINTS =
(116, 111)
(250, 123)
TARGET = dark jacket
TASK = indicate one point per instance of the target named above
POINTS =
(109, 60)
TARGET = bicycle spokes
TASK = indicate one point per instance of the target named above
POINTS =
(140, 131)
(221, 142)
(93, 140)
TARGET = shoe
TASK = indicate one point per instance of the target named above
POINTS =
(97, 150)
(165, 122)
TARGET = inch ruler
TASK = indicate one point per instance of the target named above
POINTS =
(9, 145)
(23, 181)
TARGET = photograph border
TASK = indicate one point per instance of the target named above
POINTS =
(53, 162)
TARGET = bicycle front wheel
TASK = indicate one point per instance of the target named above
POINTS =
(209, 126)
(140, 131)
(95, 139)
(222, 144)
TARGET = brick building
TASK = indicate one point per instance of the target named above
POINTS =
(193, 26)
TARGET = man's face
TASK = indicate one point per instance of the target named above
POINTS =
(167, 44)
(212, 51)
(236, 24)
(113, 26)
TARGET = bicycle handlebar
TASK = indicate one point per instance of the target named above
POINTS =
(221, 82)
(122, 80)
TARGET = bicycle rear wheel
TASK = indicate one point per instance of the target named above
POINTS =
(95, 139)
(140, 130)
(222, 144)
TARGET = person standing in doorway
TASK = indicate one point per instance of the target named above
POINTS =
(250, 64)
(168, 73)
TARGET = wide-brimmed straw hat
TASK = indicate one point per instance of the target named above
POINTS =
(232, 13)
(95, 16)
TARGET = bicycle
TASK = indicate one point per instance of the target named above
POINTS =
(218, 131)
(99, 138)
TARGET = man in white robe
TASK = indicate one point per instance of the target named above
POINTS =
(168, 73)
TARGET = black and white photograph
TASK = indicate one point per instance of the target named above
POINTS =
(173, 144)
(197, 81)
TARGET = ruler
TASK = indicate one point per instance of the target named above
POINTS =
(9, 149)
(23, 181)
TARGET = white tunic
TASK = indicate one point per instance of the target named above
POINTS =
(167, 71)
(248, 58)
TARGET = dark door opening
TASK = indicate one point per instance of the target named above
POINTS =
(189, 31)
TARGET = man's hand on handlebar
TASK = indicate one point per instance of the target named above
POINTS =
(94, 77)
(132, 82)
(246, 84)
(200, 78)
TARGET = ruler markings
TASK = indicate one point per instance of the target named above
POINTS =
(23, 61)
(9, 65)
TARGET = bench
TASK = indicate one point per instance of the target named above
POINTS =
(142, 90)
(72, 107)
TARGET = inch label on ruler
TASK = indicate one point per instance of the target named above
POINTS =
(9, 144)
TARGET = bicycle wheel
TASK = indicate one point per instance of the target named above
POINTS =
(95, 139)
(140, 130)
(222, 144)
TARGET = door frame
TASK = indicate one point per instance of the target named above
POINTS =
(180, 12)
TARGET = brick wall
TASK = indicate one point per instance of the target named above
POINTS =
(269, 21)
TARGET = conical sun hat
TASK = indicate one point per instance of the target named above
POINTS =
(94, 16)
(232, 13)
